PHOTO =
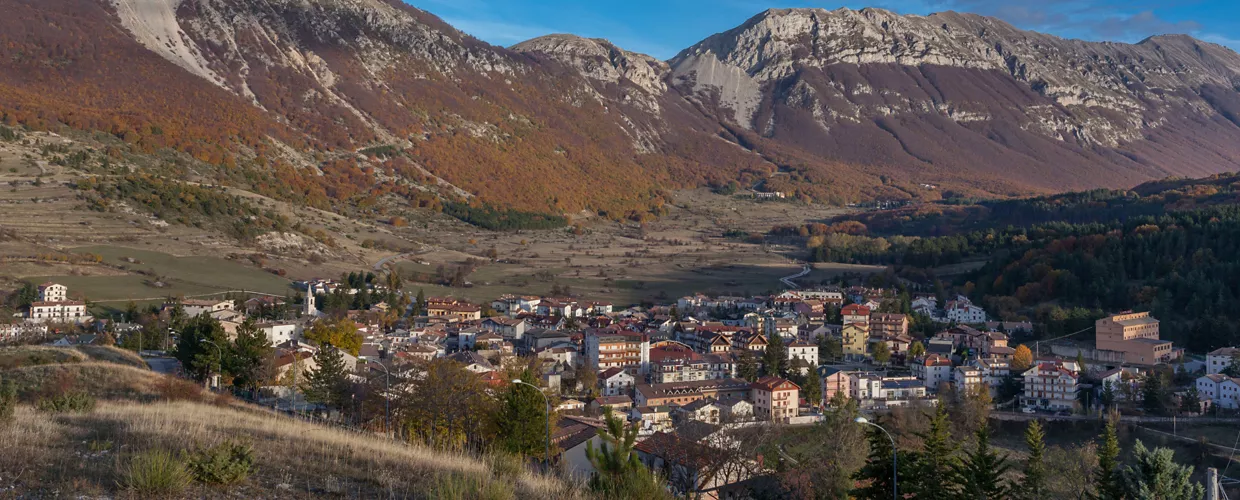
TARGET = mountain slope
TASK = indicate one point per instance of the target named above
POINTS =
(346, 101)
(950, 97)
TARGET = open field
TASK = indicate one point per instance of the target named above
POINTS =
(622, 262)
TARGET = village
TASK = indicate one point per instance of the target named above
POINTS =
(681, 371)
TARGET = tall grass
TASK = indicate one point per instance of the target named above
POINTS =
(155, 473)
(292, 454)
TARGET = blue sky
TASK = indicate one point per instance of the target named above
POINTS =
(663, 27)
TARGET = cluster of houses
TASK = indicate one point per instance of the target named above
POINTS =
(678, 366)
(1217, 388)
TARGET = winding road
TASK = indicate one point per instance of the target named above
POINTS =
(787, 280)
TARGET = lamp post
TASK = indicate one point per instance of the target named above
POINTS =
(219, 363)
(895, 461)
(387, 395)
(547, 451)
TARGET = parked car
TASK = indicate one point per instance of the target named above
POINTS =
(1028, 409)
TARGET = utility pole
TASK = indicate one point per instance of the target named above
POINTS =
(1212, 484)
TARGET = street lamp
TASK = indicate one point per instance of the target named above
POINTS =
(219, 363)
(387, 395)
(547, 452)
(895, 461)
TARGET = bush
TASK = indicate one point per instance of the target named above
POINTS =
(225, 463)
(176, 389)
(8, 402)
(155, 473)
(67, 402)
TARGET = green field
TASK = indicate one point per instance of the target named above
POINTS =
(182, 276)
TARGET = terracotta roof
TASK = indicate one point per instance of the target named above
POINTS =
(613, 400)
(772, 383)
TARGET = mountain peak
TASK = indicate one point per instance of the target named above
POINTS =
(601, 60)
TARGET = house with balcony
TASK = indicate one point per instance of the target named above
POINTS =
(1050, 386)
(619, 349)
(872, 390)
(775, 399)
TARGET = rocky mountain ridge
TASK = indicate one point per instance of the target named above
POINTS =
(832, 106)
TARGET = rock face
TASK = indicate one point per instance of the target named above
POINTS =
(838, 106)
(958, 90)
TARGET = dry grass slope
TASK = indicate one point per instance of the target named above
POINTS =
(82, 454)
(24, 356)
(43, 454)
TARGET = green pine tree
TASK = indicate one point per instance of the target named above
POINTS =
(775, 359)
(522, 419)
(1154, 475)
(981, 472)
(747, 366)
(618, 473)
(876, 475)
(935, 469)
(419, 304)
(328, 382)
(200, 348)
(811, 390)
(250, 354)
(1033, 486)
(1106, 477)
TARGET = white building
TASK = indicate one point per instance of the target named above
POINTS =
(1051, 386)
(876, 391)
(194, 307)
(963, 311)
(932, 370)
(1220, 359)
(279, 333)
(803, 351)
(616, 382)
(68, 311)
(967, 379)
(52, 292)
(14, 331)
(1220, 390)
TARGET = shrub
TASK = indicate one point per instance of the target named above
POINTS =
(176, 389)
(8, 402)
(67, 402)
(225, 463)
(155, 473)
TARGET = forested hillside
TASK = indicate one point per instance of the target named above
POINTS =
(1171, 247)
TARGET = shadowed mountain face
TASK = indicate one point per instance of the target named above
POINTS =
(839, 106)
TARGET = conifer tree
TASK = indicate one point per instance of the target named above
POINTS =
(1154, 475)
(1106, 477)
(775, 359)
(981, 472)
(328, 383)
(1033, 486)
(935, 470)
(251, 351)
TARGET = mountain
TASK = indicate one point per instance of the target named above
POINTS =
(347, 101)
(955, 98)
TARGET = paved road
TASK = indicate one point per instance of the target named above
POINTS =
(787, 281)
(1024, 417)
(167, 366)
